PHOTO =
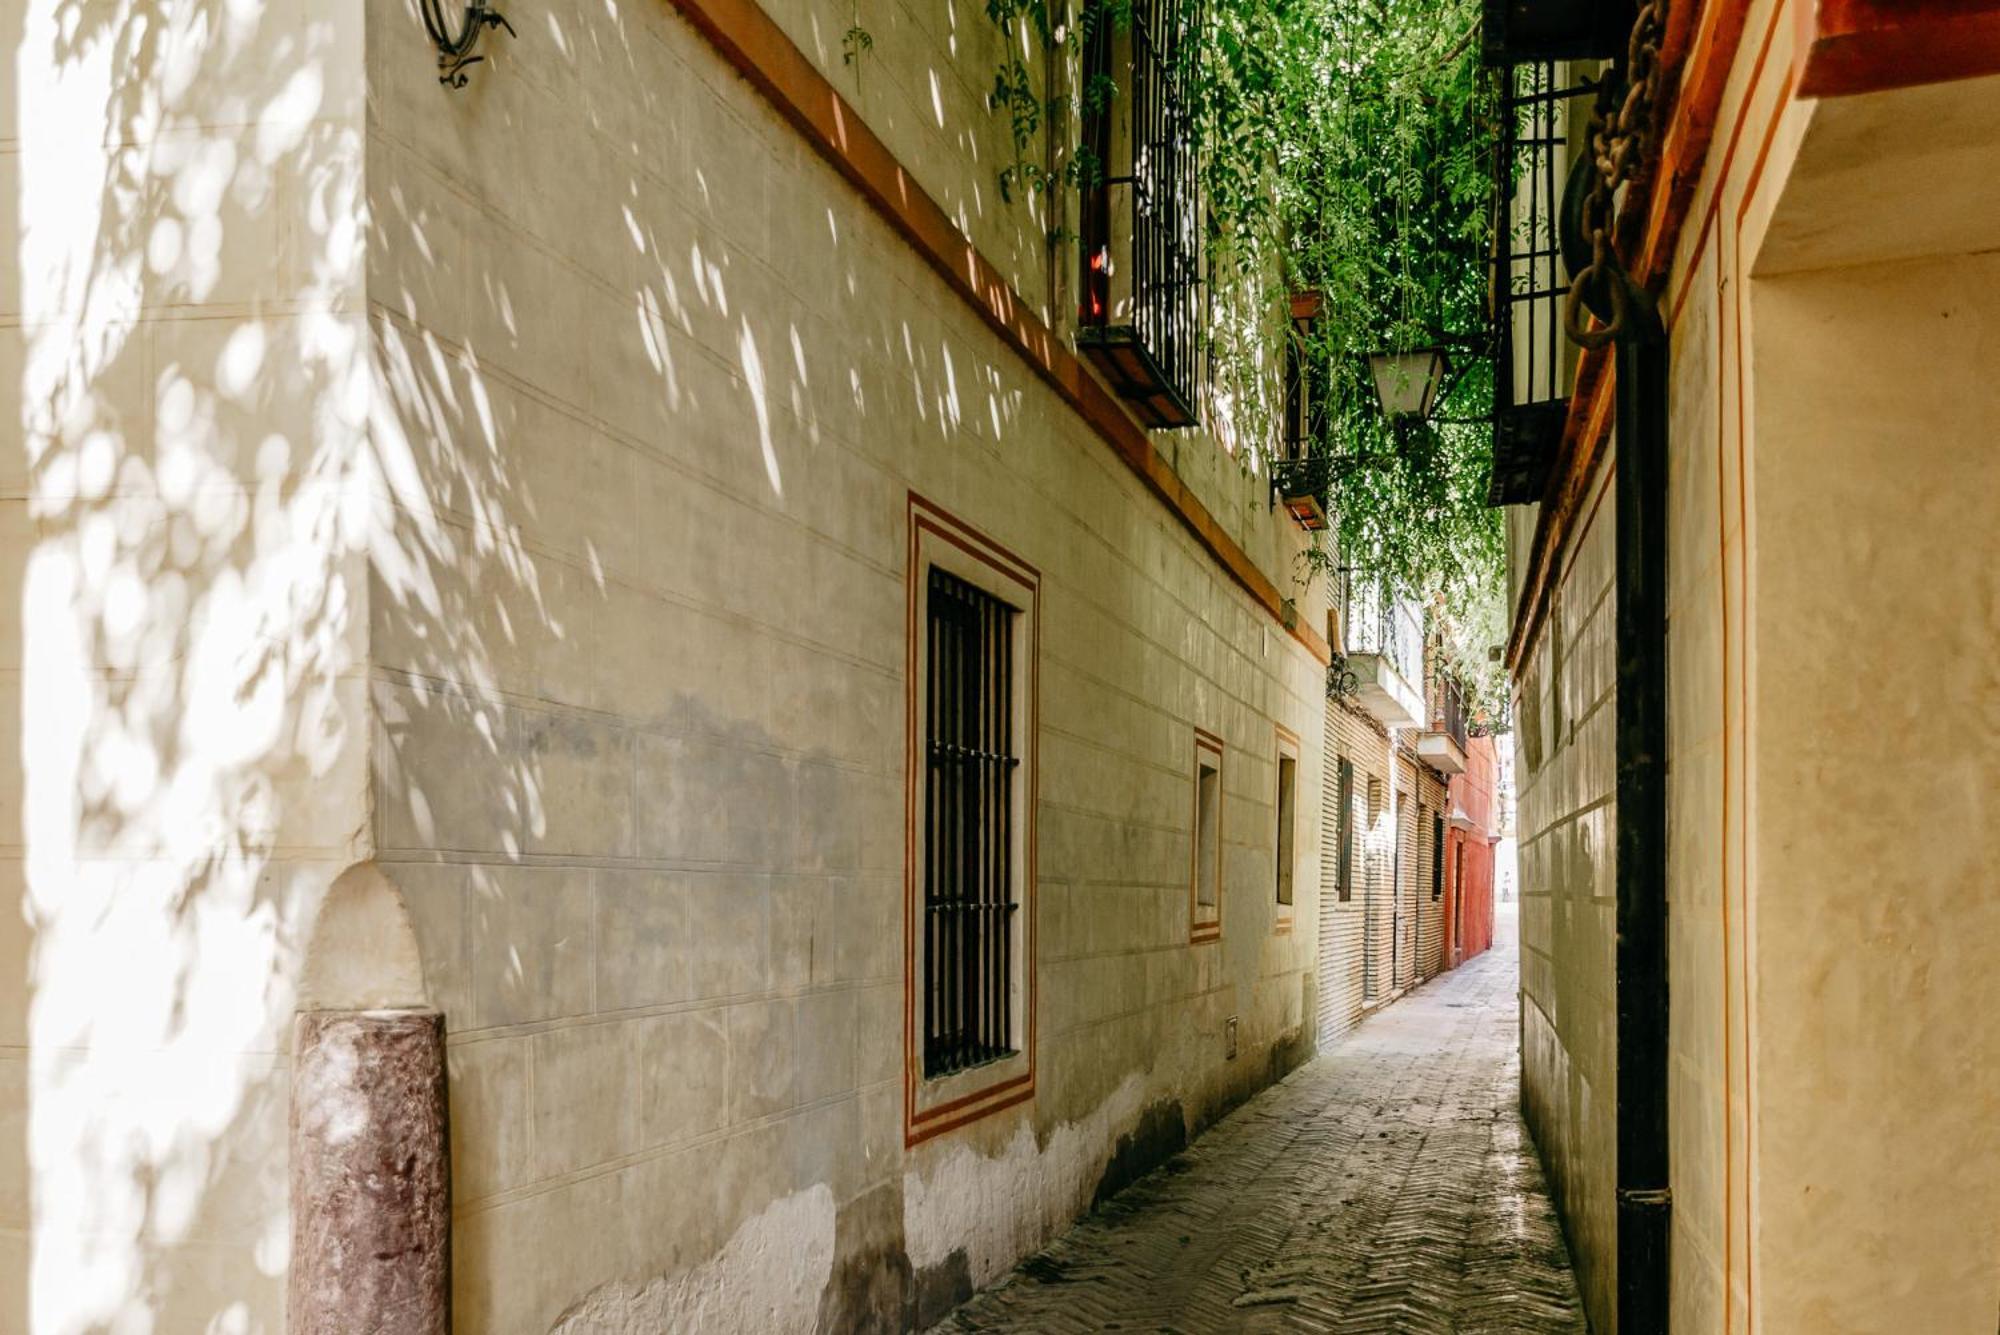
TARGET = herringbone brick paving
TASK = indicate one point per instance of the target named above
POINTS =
(1387, 1185)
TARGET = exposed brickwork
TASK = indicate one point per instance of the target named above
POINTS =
(1387, 1185)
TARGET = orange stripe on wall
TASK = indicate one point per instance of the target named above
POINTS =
(751, 42)
(1778, 109)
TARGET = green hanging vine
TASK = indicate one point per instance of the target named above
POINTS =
(1345, 148)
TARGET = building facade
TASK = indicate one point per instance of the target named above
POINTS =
(1402, 898)
(619, 555)
(1467, 889)
(1766, 557)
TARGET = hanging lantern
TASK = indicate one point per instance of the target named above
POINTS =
(1407, 383)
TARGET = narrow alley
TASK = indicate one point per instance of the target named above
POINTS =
(1388, 1185)
(851, 667)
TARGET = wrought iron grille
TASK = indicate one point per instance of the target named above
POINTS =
(1346, 835)
(968, 828)
(1370, 930)
(1437, 858)
(1533, 359)
(1448, 709)
(1494, 723)
(1517, 30)
(1288, 778)
(1342, 682)
(1372, 621)
(1144, 263)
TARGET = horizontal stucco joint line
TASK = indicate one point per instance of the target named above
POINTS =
(606, 1019)
(758, 49)
(666, 1150)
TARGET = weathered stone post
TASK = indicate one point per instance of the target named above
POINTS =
(371, 1175)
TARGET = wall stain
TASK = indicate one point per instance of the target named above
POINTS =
(1292, 1050)
(1160, 1133)
(941, 1287)
(871, 1290)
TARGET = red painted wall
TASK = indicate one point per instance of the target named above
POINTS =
(1468, 927)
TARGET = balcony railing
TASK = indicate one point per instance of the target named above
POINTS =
(1448, 709)
(1374, 622)
(1532, 359)
(1144, 308)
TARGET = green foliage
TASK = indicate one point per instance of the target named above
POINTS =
(1382, 121)
(1346, 148)
(856, 42)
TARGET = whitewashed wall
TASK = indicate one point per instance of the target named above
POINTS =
(184, 522)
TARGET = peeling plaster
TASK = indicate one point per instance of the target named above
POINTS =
(767, 1279)
(997, 1208)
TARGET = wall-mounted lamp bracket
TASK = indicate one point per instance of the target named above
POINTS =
(455, 49)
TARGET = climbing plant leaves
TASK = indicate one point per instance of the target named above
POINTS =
(1345, 148)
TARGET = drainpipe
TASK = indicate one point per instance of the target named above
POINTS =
(1644, 1203)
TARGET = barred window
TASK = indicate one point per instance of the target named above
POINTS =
(1205, 922)
(969, 902)
(1288, 782)
(1437, 858)
(1346, 836)
(1144, 309)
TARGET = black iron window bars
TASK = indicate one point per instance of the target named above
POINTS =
(1372, 623)
(1344, 819)
(1144, 328)
(1437, 858)
(1532, 361)
(1448, 708)
(969, 904)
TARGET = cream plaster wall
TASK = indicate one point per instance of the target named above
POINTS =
(1875, 629)
(924, 86)
(1564, 721)
(184, 519)
(638, 665)
(1704, 954)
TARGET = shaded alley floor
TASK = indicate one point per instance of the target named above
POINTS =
(1387, 1185)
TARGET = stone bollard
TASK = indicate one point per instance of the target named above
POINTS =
(371, 1175)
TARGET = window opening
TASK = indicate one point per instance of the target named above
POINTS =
(969, 902)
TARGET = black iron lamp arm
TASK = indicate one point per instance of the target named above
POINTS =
(455, 48)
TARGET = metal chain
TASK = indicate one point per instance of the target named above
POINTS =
(1619, 140)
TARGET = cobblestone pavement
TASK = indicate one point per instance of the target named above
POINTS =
(1387, 1185)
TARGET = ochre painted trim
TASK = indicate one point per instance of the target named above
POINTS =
(758, 49)
(1739, 296)
(1867, 46)
(921, 1123)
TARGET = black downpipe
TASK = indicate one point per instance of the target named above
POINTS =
(1645, 1208)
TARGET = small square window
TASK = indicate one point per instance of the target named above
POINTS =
(1287, 813)
(1205, 893)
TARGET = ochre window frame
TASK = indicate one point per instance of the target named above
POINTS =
(1205, 920)
(1285, 878)
(933, 1106)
